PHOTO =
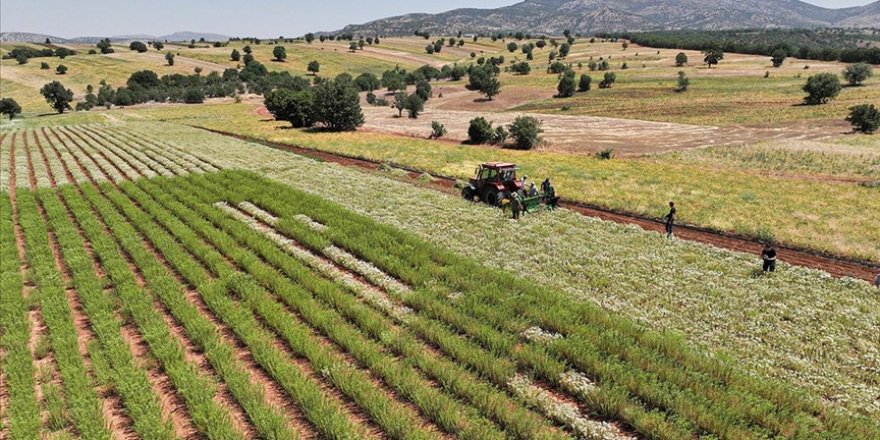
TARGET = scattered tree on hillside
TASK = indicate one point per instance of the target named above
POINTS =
(310, 37)
(198, 70)
(681, 59)
(338, 106)
(399, 103)
(525, 131)
(414, 105)
(367, 82)
(393, 80)
(608, 81)
(821, 88)
(247, 59)
(713, 57)
(63, 52)
(856, 74)
(314, 67)
(21, 58)
(104, 46)
(57, 96)
(280, 53)
(512, 46)
(158, 45)
(864, 118)
(564, 49)
(625, 45)
(235, 55)
(479, 131)
(778, 57)
(566, 86)
(521, 68)
(585, 83)
(683, 82)
(353, 46)
(424, 90)
(438, 130)
(9, 107)
(44, 66)
(61, 69)
(247, 49)
(169, 57)
(138, 46)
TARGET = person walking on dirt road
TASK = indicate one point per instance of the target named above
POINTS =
(768, 255)
(670, 219)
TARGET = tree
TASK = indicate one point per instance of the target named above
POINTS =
(683, 82)
(158, 45)
(9, 107)
(423, 90)
(429, 49)
(713, 57)
(821, 88)
(564, 49)
(864, 118)
(247, 59)
(681, 59)
(414, 105)
(310, 37)
(393, 80)
(235, 55)
(280, 53)
(21, 58)
(353, 46)
(541, 44)
(479, 131)
(44, 66)
(856, 74)
(625, 45)
(367, 82)
(512, 46)
(198, 70)
(521, 68)
(584, 83)
(608, 81)
(63, 52)
(778, 57)
(338, 106)
(104, 46)
(566, 86)
(169, 57)
(138, 46)
(194, 95)
(525, 131)
(438, 130)
(294, 107)
(399, 103)
(314, 67)
(491, 87)
(61, 69)
(247, 49)
(57, 96)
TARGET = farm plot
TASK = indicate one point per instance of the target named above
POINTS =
(180, 302)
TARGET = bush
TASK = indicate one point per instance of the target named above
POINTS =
(169, 57)
(683, 82)
(499, 137)
(423, 90)
(61, 69)
(821, 88)
(44, 66)
(9, 107)
(778, 57)
(314, 67)
(585, 83)
(566, 86)
(294, 107)
(194, 95)
(856, 74)
(438, 130)
(280, 53)
(557, 67)
(235, 55)
(138, 46)
(414, 105)
(608, 81)
(864, 118)
(480, 131)
(681, 59)
(606, 154)
(521, 68)
(525, 131)
(367, 82)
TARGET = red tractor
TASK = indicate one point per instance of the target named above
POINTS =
(492, 182)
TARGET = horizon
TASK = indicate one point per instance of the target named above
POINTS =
(24, 16)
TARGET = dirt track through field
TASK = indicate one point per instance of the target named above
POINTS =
(836, 266)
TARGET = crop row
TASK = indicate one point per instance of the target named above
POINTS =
(584, 325)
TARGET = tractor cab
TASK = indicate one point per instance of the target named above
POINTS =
(492, 182)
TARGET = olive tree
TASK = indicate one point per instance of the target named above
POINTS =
(864, 118)
(856, 74)
(821, 88)
(525, 131)
(9, 107)
(57, 96)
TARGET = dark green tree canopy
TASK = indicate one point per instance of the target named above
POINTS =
(856, 74)
(864, 118)
(822, 88)
(138, 46)
(9, 107)
(57, 96)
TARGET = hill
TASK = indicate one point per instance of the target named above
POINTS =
(30, 37)
(554, 16)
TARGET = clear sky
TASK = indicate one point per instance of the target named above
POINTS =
(261, 18)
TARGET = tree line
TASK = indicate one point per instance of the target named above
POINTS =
(847, 46)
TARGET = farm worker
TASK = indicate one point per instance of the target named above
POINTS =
(523, 181)
(670, 219)
(769, 257)
(550, 195)
(533, 190)
(545, 185)
(515, 205)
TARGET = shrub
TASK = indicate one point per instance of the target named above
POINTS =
(821, 88)
(521, 68)
(61, 69)
(423, 90)
(778, 57)
(683, 82)
(557, 67)
(479, 131)
(9, 107)
(681, 59)
(194, 95)
(169, 57)
(585, 83)
(235, 55)
(864, 118)
(44, 66)
(566, 86)
(500, 135)
(414, 105)
(856, 74)
(608, 81)
(314, 67)
(138, 46)
(606, 154)
(438, 130)
(280, 53)
(367, 82)
(525, 131)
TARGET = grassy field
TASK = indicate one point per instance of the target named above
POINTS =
(315, 321)
(813, 214)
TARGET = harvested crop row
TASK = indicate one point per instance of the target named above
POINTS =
(158, 164)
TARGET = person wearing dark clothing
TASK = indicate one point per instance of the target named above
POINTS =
(550, 196)
(768, 255)
(545, 185)
(670, 219)
(515, 205)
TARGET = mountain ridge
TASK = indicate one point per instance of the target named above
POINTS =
(32, 37)
(589, 16)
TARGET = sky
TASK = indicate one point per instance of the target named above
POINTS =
(259, 18)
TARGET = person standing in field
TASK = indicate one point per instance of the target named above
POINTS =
(545, 185)
(670, 219)
(515, 204)
(768, 255)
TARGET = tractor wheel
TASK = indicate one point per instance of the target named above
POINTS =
(468, 194)
(491, 198)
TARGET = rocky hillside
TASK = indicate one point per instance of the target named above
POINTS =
(585, 16)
